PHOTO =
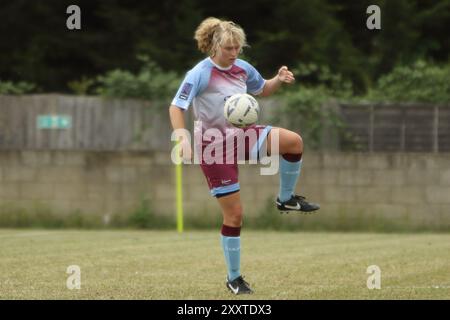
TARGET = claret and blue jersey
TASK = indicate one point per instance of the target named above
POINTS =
(207, 86)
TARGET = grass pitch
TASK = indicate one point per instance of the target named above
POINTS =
(167, 265)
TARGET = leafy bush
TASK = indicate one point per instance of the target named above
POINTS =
(42, 216)
(144, 217)
(308, 109)
(151, 82)
(82, 86)
(421, 82)
(321, 77)
(22, 87)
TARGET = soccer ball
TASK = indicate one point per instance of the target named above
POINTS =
(241, 110)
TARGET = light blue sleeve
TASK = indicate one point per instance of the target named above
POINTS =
(193, 84)
(255, 82)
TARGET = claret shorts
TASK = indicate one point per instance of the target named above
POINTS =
(222, 177)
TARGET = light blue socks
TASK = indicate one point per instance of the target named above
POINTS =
(289, 173)
(232, 251)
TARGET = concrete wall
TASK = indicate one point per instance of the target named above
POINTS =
(412, 189)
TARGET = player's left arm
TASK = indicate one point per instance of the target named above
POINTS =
(271, 85)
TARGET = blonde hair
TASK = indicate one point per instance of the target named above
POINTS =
(213, 32)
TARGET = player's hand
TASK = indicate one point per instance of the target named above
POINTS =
(286, 76)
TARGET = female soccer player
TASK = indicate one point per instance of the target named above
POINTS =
(207, 86)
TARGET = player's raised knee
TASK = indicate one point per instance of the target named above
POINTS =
(296, 143)
(299, 143)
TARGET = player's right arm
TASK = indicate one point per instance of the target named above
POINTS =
(176, 117)
(177, 120)
(192, 85)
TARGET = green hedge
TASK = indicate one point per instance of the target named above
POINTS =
(420, 82)
(22, 87)
(150, 82)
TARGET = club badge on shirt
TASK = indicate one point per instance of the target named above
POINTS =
(185, 91)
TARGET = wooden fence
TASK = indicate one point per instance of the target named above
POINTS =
(95, 123)
(397, 127)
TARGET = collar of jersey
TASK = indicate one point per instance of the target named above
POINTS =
(219, 67)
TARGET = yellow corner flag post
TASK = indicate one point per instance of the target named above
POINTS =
(179, 189)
